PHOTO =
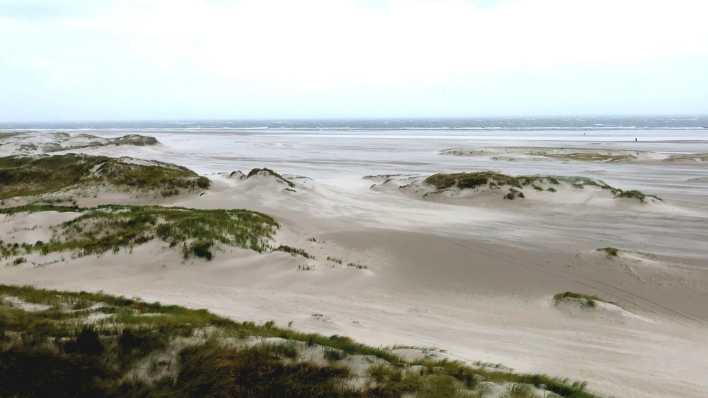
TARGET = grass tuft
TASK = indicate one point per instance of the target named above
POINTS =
(585, 300)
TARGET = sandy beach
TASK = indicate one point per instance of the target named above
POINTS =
(468, 273)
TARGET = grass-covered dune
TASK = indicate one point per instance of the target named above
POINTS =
(112, 227)
(63, 344)
(493, 180)
(37, 175)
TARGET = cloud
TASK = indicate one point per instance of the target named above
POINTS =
(316, 57)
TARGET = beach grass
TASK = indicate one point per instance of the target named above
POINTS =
(114, 227)
(140, 349)
(37, 175)
(492, 179)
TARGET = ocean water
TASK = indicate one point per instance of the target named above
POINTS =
(514, 124)
(665, 128)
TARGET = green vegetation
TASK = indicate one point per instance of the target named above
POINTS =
(589, 156)
(64, 142)
(693, 157)
(585, 300)
(39, 207)
(470, 180)
(19, 260)
(134, 139)
(112, 227)
(211, 370)
(333, 355)
(488, 178)
(491, 179)
(633, 194)
(611, 251)
(139, 349)
(26, 176)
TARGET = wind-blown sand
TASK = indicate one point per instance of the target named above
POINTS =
(475, 280)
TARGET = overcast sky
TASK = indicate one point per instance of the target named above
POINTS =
(190, 59)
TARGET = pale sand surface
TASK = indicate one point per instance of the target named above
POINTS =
(473, 278)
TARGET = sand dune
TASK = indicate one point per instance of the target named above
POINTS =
(37, 143)
(487, 188)
(391, 260)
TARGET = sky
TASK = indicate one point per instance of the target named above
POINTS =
(219, 59)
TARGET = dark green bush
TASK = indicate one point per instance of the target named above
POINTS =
(87, 342)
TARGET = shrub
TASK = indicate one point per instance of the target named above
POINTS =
(26, 372)
(611, 251)
(334, 355)
(203, 182)
(201, 249)
(86, 342)
(132, 342)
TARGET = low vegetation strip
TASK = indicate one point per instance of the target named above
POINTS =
(112, 227)
(36, 175)
(589, 156)
(64, 344)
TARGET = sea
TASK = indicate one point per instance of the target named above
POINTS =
(554, 128)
